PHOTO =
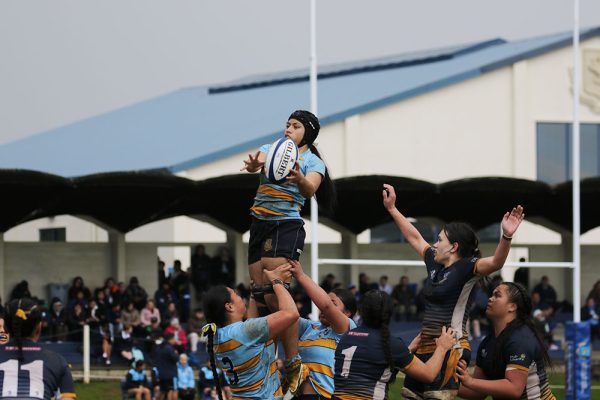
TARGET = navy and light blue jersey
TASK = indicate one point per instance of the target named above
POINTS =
(284, 201)
(41, 375)
(316, 345)
(361, 370)
(247, 355)
(521, 351)
(447, 291)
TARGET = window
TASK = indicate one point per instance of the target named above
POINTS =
(53, 235)
(554, 151)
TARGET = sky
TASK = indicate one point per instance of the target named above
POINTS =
(62, 61)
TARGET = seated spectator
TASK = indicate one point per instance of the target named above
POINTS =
(150, 317)
(76, 319)
(404, 301)
(539, 319)
(135, 293)
(170, 313)
(186, 385)
(595, 293)
(114, 319)
(384, 286)
(79, 299)
(124, 343)
(546, 292)
(327, 283)
(163, 296)
(107, 342)
(206, 381)
(57, 322)
(197, 321)
(20, 290)
(179, 334)
(589, 312)
(136, 382)
(130, 316)
(109, 289)
(76, 286)
(95, 315)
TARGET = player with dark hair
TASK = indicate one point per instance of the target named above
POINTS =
(245, 349)
(26, 370)
(454, 265)
(277, 230)
(318, 340)
(511, 361)
(368, 358)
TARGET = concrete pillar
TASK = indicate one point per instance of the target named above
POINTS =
(117, 255)
(238, 251)
(350, 251)
(2, 266)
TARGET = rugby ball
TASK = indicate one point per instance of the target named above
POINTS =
(281, 158)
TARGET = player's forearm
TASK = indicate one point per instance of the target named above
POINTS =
(286, 303)
(469, 394)
(306, 187)
(412, 235)
(503, 388)
(434, 364)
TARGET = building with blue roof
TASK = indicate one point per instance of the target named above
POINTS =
(494, 108)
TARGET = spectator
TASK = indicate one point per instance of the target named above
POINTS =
(95, 315)
(595, 293)
(162, 274)
(114, 319)
(21, 290)
(170, 313)
(135, 293)
(197, 321)
(106, 338)
(206, 381)
(57, 321)
(109, 290)
(165, 359)
(150, 317)
(200, 270)
(186, 385)
(539, 318)
(75, 321)
(479, 300)
(352, 288)
(384, 286)
(364, 284)
(522, 274)
(546, 292)
(404, 300)
(223, 268)
(76, 286)
(328, 282)
(124, 343)
(179, 280)
(163, 296)
(179, 334)
(589, 312)
(131, 316)
(136, 382)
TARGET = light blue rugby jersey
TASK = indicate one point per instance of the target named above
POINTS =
(277, 202)
(247, 355)
(317, 346)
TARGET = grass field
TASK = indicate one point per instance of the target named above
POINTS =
(111, 390)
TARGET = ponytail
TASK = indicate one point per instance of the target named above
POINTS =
(376, 312)
(326, 193)
(210, 331)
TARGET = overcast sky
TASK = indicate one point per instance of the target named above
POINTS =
(65, 60)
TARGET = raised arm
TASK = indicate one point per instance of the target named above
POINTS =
(288, 312)
(412, 235)
(254, 163)
(426, 372)
(510, 223)
(338, 320)
(511, 386)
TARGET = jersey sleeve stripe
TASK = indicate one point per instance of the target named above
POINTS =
(516, 366)
(410, 364)
(320, 368)
(328, 343)
(68, 396)
(227, 346)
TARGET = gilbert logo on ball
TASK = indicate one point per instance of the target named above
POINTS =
(281, 158)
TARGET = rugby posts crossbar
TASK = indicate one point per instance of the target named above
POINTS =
(420, 263)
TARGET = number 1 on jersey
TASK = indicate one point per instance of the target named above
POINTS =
(348, 354)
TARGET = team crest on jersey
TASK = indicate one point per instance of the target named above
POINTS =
(484, 353)
(518, 357)
(268, 245)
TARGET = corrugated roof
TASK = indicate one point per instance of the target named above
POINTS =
(193, 126)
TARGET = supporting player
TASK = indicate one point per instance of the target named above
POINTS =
(368, 358)
(454, 265)
(277, 230)
(30, 372)
(511, 361)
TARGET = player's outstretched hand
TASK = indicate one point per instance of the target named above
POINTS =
(297, 270)
(511, 220)
(446, 339)
(389, 197)
(463, 373)
(295, 175)
(252, 164)
(283, 272)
